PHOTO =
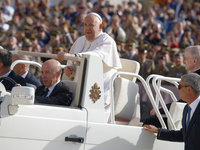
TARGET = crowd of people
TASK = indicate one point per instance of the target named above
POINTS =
(95, 42)
(155, 36)
(163, 38)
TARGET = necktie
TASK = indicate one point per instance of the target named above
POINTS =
(188, 117)
(46, 90)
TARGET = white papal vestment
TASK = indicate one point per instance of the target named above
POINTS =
(104, 46)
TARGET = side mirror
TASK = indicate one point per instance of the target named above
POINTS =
(22, 95)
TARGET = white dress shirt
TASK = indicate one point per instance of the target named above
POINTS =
(193, 106)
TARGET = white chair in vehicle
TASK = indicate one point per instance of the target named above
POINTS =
(72, 86)
(129, 66)
(126, 96)
(176, 111)
(126, 102)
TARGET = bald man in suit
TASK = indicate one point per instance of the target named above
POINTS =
(53, 91)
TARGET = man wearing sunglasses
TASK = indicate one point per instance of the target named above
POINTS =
(189, 89)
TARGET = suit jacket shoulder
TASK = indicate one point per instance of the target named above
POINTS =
(59, 88)
(197, 71)
(18, 79)
(30, 78)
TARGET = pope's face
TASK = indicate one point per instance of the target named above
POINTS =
(92, 27)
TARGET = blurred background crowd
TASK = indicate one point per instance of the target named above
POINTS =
(154, 33)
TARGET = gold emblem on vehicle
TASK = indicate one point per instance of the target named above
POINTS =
(95, 92)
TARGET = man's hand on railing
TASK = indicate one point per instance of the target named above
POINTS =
(61, 55)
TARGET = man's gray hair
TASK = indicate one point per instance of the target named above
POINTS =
(95, 14)
(194, 51)
(24, 57)
(193, 80)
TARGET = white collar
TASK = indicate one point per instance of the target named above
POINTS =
(24, 75)
(194, 104)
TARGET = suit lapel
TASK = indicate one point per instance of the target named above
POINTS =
(40, 90)
(28, 76)
(193, 119)
(6, 83)
(55, 89)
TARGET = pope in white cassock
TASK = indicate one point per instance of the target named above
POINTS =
(95, 41)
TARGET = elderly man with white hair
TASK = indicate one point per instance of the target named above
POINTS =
(99, 43)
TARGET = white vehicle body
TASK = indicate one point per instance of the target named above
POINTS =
(25, 125)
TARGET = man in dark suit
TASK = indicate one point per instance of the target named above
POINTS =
(53, 91)
(192, 64)
(5, 63)
(189, 89)
(23, 70)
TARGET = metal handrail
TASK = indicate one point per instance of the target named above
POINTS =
(168, 79)
(37, 54)
(150, 95)
(25, 62)
(30, 63)
(158, 88)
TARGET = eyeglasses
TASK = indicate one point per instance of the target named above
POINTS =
(179, 86)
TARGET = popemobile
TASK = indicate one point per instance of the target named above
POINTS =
(81, 126)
